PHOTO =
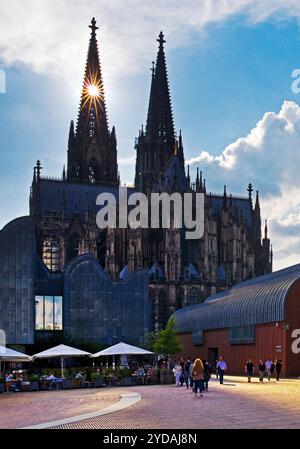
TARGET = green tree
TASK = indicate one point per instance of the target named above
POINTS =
(149, 341)
(167, 341)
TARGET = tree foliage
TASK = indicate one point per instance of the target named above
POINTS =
(167, 341)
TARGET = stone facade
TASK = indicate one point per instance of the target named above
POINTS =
(182, 272)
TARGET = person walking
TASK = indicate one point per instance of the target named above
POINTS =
(198, 376)
(278, 366)
(182, 363)
(221, 368)
(249, 368)
(261, 370)
(177, 370)
(270, 369)
(217, 371)
(191, 375)
(187, 366)
(207, 374)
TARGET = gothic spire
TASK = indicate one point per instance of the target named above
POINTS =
(257, 206)
(188, 175)
(160, 124)
(271, 254)
(266, 229)
(257, 219)
(225, 197)
(197, 181)
(71, 134)
(92, 117)
(92, 149)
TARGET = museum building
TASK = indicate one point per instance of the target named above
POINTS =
(257, 319)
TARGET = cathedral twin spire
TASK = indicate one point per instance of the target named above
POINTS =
(160, 124)
(92, 117)
(92, 152)
(158, 143)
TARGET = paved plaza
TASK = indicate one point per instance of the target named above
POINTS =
(236, 404)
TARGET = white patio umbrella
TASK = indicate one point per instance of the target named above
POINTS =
(62, 352)
(122, 349)
(10, 355)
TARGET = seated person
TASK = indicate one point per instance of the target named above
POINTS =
(141, 374)
(51, 377)
(10, 383)
(50, 381)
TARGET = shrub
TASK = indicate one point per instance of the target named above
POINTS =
(95, 376)
(125, 372)
(33, 378)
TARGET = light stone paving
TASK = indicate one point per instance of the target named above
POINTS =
(236, 404)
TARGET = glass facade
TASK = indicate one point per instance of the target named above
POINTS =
(48, 313)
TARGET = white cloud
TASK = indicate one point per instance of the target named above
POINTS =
(204, 157)
(50, 36)
(269, 156)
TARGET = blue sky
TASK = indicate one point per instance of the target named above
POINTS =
(225, 74)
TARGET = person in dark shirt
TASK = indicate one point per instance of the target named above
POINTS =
(207, 374)
(278, 366)
(186, 372)
(182, 363)
(261, 370)
(249, 368)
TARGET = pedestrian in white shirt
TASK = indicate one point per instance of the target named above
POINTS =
(221, 368)
(177, 370)
(269, 368)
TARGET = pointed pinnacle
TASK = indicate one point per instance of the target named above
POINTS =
(93, 25)
(161, 40)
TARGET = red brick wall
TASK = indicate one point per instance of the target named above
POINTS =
(267, 338)
(293, 321)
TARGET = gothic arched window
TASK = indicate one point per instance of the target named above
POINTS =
(194, 297)
(72, 246)
(93, 171)
(92, 121)
(163, 309)
(78, 170)
(51, 253)
(180, 299)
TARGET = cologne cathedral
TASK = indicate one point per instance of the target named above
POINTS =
(179, 272)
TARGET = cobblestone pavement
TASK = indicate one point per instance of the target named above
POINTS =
(236, 404)
(25, 409)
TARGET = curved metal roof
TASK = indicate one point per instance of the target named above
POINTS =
(258, 300)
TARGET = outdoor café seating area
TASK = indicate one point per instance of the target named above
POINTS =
(19, 372)
(108, 377)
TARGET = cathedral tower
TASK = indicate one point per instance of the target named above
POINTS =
(155, 145)
(92, 147)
